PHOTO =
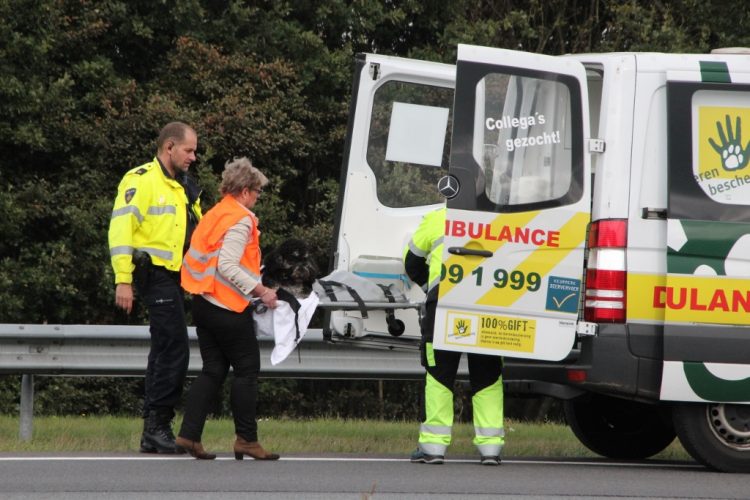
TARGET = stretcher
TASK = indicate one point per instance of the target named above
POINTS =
(357, 291)
(339, 291)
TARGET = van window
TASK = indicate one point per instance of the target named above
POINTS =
(409, 141)
(520, 138)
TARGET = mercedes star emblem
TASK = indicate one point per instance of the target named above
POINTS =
(448, 186)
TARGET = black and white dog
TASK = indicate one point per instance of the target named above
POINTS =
(291, 267)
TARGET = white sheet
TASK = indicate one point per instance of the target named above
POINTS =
(279, 324)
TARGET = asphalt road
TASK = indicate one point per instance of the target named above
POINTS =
(334, 477)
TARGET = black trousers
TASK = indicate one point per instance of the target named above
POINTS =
(170, 353)
(225, 338)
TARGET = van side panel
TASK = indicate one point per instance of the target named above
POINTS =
(645, 347)
(706, 297)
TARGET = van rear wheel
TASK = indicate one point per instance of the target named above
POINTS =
(715, 434)
(619, 428)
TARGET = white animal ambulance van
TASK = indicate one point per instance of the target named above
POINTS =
(597, 235)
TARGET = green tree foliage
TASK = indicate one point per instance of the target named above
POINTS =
(86, 85)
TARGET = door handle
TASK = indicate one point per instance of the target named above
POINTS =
(653, 213)
(469, 251)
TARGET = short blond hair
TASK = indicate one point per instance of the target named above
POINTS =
(240, 174)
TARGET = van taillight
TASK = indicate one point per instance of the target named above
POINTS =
(605, 275)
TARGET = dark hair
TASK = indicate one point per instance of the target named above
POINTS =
(173, 131)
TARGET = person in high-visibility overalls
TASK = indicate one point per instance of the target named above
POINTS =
(423, 263)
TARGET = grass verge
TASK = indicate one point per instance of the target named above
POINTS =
(373, 437)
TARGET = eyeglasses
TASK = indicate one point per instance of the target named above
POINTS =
(257, 190)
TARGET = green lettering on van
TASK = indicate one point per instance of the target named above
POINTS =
(715, 71)
(708, 386)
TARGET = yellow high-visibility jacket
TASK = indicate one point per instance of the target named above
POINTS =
(425, 250)
(149, 214)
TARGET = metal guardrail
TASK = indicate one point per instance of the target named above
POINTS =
(122, 350)
(119, 350)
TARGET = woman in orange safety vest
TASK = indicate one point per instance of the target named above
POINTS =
(222, 270)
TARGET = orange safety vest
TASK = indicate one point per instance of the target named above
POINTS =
(199, 273)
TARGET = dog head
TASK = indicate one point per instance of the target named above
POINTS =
(290, 266)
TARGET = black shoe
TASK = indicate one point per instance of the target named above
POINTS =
(157, 435)
(420, 457)
(159, 441)
(146, 447)
(490, 460)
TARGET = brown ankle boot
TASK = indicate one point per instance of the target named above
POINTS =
(195, 448)
(252, 449)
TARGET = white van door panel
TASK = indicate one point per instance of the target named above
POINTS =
(515, 232)
(398, 141)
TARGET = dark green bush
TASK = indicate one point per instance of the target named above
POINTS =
(277, 398)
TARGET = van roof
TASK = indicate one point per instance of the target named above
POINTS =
(731, 50)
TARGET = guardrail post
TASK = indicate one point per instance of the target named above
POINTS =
(27, 407)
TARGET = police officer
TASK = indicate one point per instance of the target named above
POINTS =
(156, 209)
(423, 263)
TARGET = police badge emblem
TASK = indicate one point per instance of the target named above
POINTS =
(129, 195)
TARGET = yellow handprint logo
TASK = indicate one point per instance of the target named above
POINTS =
(461, 328)
(733, 156)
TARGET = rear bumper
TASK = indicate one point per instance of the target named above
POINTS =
(622, 360)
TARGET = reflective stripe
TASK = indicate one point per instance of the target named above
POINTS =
(437, 243)
(130, 209)
(202, 257)
(436, 263)
(121, 250)
(128, 250)
(211, 271)
(161, 210)
(413, 248)
(162, 254)
(205, 257)
(489, 431)
(435, 429)
(490, 450)
(432, 448)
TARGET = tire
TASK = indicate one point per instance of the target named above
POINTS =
(715, 434)
(619, 428)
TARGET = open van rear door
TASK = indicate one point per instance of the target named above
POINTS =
(516, 227)
(397, 148)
